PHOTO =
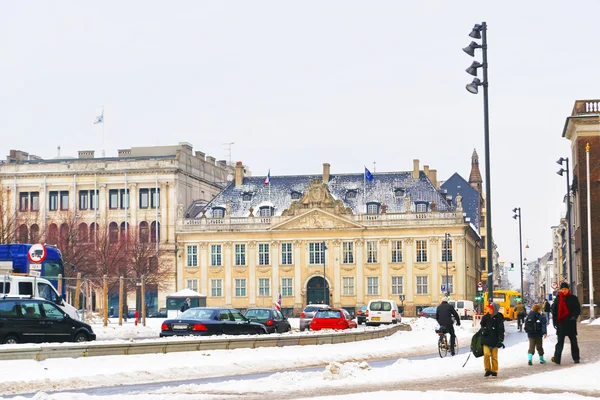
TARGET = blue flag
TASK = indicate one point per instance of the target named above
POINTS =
(368, 175)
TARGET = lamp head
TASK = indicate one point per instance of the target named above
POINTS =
(470, 49)
(472, 70)
(515, 210)
(560, 172)
(515, 216)
(476, 32)
(473, 86)
(560, 161)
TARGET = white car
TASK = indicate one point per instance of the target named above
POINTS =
(382, 311)
(464, 308)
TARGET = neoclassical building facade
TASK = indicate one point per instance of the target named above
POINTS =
(384, 238)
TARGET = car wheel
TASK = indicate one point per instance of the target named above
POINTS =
(11, 340)
(80, 337)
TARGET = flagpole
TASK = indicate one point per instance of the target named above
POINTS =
(365, 187)
(103, 147)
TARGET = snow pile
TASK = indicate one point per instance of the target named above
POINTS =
(596, 322)
(423, 324)
(338, 370)
(581, 377)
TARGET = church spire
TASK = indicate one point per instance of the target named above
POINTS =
(475, 177)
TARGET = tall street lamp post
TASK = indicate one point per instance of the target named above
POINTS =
(480, 32)
(325, 299)
(446, 238)
(517, 212)
(560, 172)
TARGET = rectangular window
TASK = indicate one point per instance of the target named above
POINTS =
(192, 284)
(216, 287)
(348, 286)
(286, 254)
(24, 201)
(372, 285)
(215, 255)
(287, 287)
(64, 200)
(447, 251)
(371, 252)
(263, 254)
(83, 200)
(124, 195)
(240, 254)
(144, 198)
(348, 251)
(155, 198)
(192, 256)
(94, 199)
(397, 285)
(316, 252)
(264, 288)
(448, 286)
(113, 199)
(53, 201)
(422, 285)
(396, 251)
(421, 250)
(240, 287)
(35, 201)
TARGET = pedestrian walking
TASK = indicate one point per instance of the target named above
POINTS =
(186, 304)
(565, 311)
(521, 313)
(535, 326)
(492, 333)
(547, 310)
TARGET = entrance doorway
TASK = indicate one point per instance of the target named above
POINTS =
(317, 291)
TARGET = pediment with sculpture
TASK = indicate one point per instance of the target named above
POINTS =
(317, 219)
(317, 195)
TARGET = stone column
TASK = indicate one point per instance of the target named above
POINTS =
(337, 275)
(434, 256)
(360, 273)
(102, 201)
(227, 287)
(252, 274)
(385, 278)
(409, 286)
(274, 256)
(133, 205)
(298, 303)
(458, 257)
(203, 260)
(164, 213)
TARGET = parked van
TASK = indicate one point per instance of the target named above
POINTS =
(382, 311)
(464, 308)
(31, 286)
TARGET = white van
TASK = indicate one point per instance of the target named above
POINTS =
(464, 308)
(31, 286)
(382, 311)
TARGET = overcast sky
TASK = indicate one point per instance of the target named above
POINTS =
(296, 85)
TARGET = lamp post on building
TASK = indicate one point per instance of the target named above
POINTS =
(517, 212)
(480, 32)
(325, 299)
(446, 239)
(560, 172)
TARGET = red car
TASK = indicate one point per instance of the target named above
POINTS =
(332, 318)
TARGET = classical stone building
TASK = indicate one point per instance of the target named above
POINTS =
(371, 239)
(143, 188)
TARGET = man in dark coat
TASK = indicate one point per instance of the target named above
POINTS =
(547, 310)
(492, 337)
(565, 311)
(443, 315)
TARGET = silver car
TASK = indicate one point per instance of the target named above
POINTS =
(308, 314)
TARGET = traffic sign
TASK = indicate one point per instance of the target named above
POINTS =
(479, 284)
(480, 289)
(554, 285)
(443, 288)
(35, 267)
(35, 273)
(37, 253)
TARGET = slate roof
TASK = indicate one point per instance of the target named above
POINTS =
(381, 190)
(470, 196)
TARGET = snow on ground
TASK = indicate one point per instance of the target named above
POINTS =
(582, 377)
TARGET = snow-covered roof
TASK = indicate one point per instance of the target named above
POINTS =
(186, 293)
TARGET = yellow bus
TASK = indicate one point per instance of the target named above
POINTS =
(507, 300)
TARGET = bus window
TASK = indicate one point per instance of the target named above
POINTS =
(499, 297)
(26, 288)
(513, 301)
(51, 271)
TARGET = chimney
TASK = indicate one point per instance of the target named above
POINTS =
(124, 152)
(86, 153)
(416, 169)
(426, 170)
(239, 173)
(433, 178)
(326, 168)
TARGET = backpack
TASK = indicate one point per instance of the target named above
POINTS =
(533, 323)
(477, 344)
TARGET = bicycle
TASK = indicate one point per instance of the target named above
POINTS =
(444, 343)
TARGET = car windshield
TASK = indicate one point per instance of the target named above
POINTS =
(328, 314)
(430, 309)
(363, 308)
(312, 308)
(260, 314)
(381, 306)
(197, 313)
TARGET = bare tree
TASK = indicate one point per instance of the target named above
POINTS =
(7, 219)
(143, 259)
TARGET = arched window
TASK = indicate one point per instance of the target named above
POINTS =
(421, 207)
(144, 234)
(372, 208)
(113, 232)
(93, 232)
(246, 197)
(266, 211)
(399, 193)
(82, 232)
(218, 212)
(153, 230)
(64, 232)
(34, 233)
(52, 235)
(296, 195)
(22, 234)
(124, 230)
(351, 194)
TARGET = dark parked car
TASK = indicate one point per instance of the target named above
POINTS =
(161, 313)
(271, 318)
(428, 312)
(31, 320)
(206, 321)
(361, 315)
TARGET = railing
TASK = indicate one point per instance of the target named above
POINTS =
(586, 107)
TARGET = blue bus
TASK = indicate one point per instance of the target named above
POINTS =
(14, 257)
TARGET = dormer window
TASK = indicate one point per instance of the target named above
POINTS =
(266, 211)
(373, 208)
(296, 195)
(399, 193)
(351, 194)
(246, 196)
(421, 207)
(218, 212)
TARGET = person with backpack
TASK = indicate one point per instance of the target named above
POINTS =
(492, 337)
(535, 326)
(521, 313)
(565, 311)
(547, 311)
(445, 315)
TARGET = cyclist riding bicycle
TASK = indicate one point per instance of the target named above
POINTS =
(443, 315)
(521, 314)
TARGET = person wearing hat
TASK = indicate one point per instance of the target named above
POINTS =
(445, 315)
(492, 337)
(565, 311)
